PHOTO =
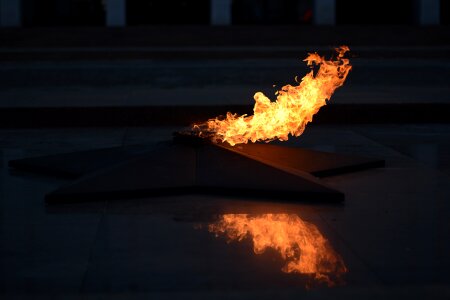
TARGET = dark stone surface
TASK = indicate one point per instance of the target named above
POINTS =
(77, 164)
(392, 232)
(224, 172)
(165, 169)
(174, 168)
(317, 163)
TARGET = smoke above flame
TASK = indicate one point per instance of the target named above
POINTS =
(301, 245)
(290, 113)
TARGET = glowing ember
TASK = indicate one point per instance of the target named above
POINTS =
(300, 243)
(289, 114)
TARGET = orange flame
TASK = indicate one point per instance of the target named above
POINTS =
(290, 113)
(300, 243)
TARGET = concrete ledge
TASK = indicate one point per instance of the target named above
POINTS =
(206, 52)
(185, 115)
(151, 36)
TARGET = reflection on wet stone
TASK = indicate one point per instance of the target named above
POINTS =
(302, 246)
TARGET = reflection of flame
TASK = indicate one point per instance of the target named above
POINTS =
(300, 243)
(289, 114)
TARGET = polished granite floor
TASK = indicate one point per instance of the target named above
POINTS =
(390, 237)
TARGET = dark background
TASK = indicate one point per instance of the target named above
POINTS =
(69, 82)
(38, 13)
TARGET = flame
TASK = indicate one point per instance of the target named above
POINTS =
(290, 113)
(301, 245)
